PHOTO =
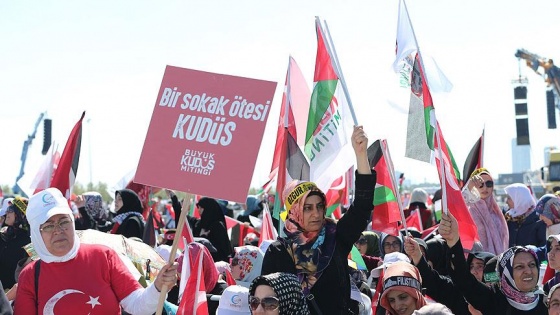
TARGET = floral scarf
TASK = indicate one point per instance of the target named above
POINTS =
(249, 258)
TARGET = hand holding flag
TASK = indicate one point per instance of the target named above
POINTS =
(449, 229)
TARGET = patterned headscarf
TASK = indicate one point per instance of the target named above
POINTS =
(288, 291)
(516, 298)
(549, 206)
(94, 206)
(250, 260)
(295, 194)
(311, 251)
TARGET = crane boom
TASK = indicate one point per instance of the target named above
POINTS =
(16, 189)
(544, 67)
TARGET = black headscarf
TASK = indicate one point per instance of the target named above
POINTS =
(212, 213)
(131, 201)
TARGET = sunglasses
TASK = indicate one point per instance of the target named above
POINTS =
(361, 241)
(488, 184)
(395, 244)
(269, 303)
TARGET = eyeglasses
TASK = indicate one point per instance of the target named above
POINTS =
(269, 303)
(62, 224)
(488, 184)
(361, 241)
(234, 261)
(395, 244)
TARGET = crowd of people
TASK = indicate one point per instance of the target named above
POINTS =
(309, 269)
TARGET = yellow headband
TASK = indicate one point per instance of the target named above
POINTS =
(479, 171)
(21, 204)
(298, 192)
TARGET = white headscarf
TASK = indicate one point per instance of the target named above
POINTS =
(42, 206)
(522, 198)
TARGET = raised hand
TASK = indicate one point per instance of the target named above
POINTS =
(449, 229)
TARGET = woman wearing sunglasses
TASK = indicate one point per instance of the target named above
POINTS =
(487, 215)
(277, 293)
(316, 248)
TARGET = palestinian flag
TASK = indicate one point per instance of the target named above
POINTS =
(330, 123)
(386, 213)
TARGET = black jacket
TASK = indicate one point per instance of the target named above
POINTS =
(11, 251)
(332, 289)
(441, 289)
(532, 231)
(488, 300)
(131, 227)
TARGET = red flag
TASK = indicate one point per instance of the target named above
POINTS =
(193, 300)
(289, 162)
(386, 214)
(414, 220)
(229, 278)
(268, 232)
(187, 235)
(44, 175)
(237, 231)
(65, 174)
(452, 198)
(293, 112)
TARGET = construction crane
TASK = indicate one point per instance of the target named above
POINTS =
(549, 175)
(544, 67)
(46, 144)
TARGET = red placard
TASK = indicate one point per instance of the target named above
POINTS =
(205, 133)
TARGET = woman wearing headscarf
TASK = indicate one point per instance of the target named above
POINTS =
(553, 255)
(129, 221)
(277, 293)
(316, 248)
(518, 271)
(75, 278)
(13, 236)
(402, 289)
(523, 223)
(246, 264)
(212, 226)
(548, 210)
(418, 202)
(489, 219)
(368, 246)
(553, 300)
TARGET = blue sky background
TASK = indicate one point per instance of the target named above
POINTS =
(108, 58)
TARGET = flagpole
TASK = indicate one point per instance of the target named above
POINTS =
(288, 95)
(442, 172)
(178, 232)
(332, 52)
(385, 149)
(481, 157)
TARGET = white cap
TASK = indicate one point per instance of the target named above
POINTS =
(234, 301)
(45, 204)
(5, 204)
(389, 259)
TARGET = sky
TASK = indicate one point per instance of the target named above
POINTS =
(108, 58)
